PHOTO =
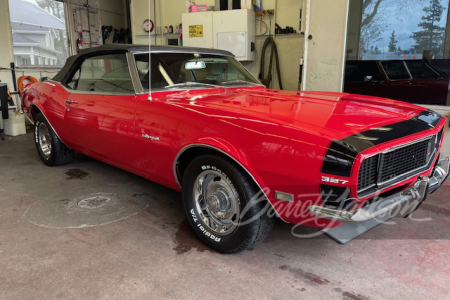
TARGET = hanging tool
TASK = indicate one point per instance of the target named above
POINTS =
(106, 31)
(116, 36)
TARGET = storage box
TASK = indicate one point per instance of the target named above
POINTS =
(199, 8)
(15, 124)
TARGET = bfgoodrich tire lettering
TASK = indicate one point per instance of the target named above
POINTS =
(51, 150)
(223, 205)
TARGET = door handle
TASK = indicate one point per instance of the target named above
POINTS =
(71, 102)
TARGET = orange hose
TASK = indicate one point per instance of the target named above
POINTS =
(20, 82)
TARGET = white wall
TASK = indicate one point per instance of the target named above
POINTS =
(6, 53)
(140, 11)
(290, 48)
(112, 12)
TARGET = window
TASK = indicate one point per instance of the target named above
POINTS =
(396, 70)
(177, 68)
(361, 71)
(419, 69)
(142, 65)
(38, 32)
(398, 29)
(105, 74)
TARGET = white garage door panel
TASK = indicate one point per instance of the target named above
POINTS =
(325, 51)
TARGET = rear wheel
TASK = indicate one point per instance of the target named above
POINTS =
(224, 206)
(51, 150)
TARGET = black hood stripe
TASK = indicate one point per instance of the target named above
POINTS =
(341, 154)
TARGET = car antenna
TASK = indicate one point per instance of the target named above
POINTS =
(150, 54)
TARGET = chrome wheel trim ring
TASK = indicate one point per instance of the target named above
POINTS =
(216, 201)
(45, 142)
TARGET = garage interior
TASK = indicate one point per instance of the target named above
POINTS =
(92, 231)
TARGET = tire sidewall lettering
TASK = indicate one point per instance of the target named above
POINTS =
(240, 234)
(202, 228)
(195, 218)
(36, 132)
(208, 234)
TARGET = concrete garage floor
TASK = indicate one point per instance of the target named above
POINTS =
(90, 231)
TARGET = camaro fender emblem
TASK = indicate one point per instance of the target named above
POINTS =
(146, 136)
(334, 180)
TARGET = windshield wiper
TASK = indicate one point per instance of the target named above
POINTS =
(242, 81)
(191, 83)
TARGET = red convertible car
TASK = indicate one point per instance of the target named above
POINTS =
(242, 155)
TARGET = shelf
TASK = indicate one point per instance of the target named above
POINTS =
(146, 35)
(280, 35)
(290, 34)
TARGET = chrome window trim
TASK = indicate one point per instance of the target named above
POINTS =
(134, 53)
(182, 52)
(99, 93)
(132, 68)
(76, 92)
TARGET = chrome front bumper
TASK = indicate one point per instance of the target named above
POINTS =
(402, 204)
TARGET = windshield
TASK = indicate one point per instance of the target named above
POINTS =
(180, 70)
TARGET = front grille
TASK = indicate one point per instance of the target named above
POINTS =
(383, 167)
(367, 176)
(403, 160)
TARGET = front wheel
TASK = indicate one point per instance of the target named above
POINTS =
(51, 150)
(224, 206)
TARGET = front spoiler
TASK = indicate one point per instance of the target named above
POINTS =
(401, 204)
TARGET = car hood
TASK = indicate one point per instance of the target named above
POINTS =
(335, 114)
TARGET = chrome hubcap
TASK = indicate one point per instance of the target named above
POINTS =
(44, 140)
(216, 202)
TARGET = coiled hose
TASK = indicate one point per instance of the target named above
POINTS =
(274, 52)
(21, 82)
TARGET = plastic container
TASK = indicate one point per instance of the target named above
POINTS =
(15, 124)
(199, 8)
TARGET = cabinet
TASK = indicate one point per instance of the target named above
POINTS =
(231, 30)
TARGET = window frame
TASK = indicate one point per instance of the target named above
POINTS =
(49, 67)
(427, 66)
(387, 76)
(139, 87)
(79, 62)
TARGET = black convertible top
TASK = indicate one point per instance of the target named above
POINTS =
(123, 48)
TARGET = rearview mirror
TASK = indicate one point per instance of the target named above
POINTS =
(195, 65)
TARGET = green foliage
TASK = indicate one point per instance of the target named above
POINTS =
(431, 37)
(377, 50)
(392, 42)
